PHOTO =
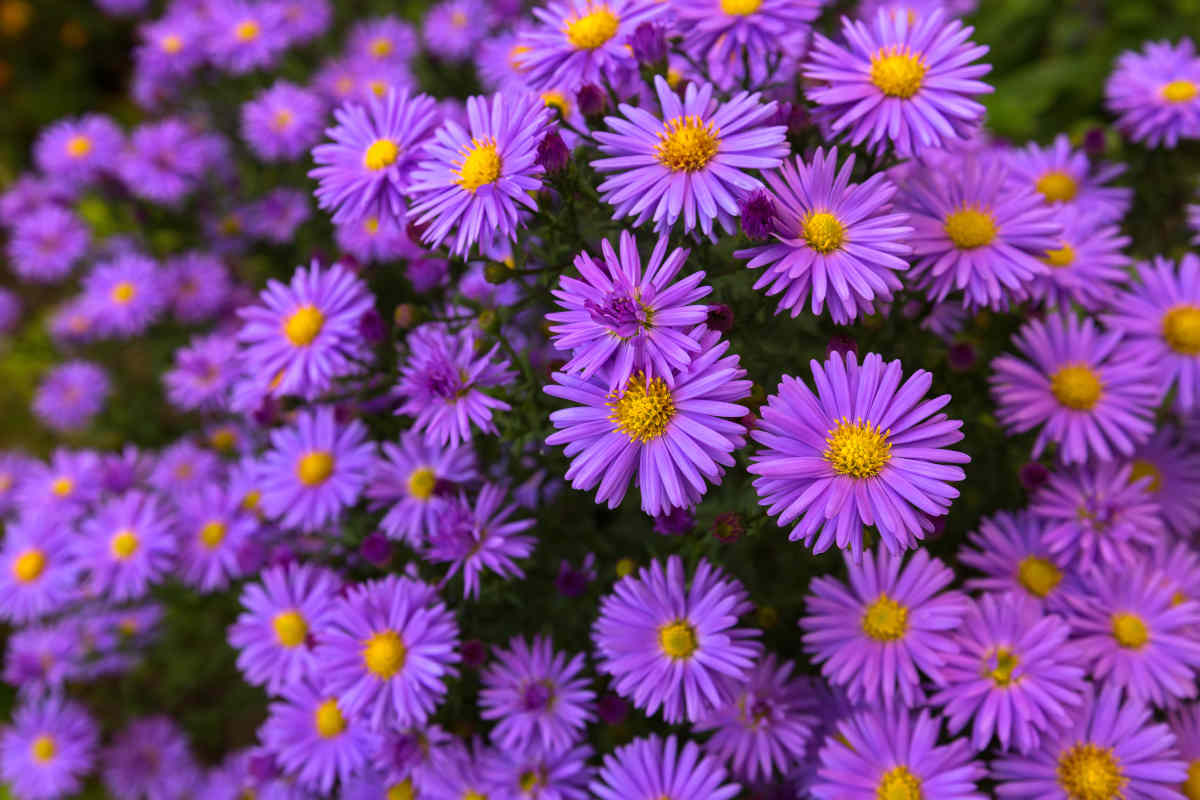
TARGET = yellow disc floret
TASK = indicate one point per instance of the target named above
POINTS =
(1180, 91)
(1057, 186)
(212, 533)
(329, 719)
(401, 791)
(381, 154)
(480, 165)
(858, 449)
(592, 30)
(124, 544)
(896, 72)
(1062, 257)
(1181, 329)
(1129, 630)
(687, 144)
(303, 325)
(678, 639)
(315, 467)
(1088, 772)
(885, 620)
(740, 8)
(246, 31)
(43, 748)
(1076, 386)
(969, 228)
(1000, 670)
(1191, 786)
(898, 783)
(384, 654)
(1141, 468)
(291, 629)
(644, 410)
(421, 483)
(30, 565)
(79, 146)
(1038, 575)
(123, 292)
(823, 231)
(62, 486)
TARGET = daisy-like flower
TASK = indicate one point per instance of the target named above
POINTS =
(862, 450)
(315, 469)
(893, 618)
(71, 394)
(478, 536)
(204, 372)
(618, 318)
(410, 479)
(540, 698)
(691, 162)
(1185, 725)
(48, 749)
(149, 758)
(1160, 317)
(1111, 750)
(125, 547)
(651, 768)
(303, 336)
(128, 294)
(44, 246)
(1064, 177)
(1173, 467)
(283, 122)
(200, 283)
(1011, 551)
(1087, 266)
(367, 167)
(1155, 93)
(1012, 674)
(834, 240)
(377, 239)
(183, 467)
(404, 756)
(41, 658)
(497, 59)
(725, 31)
(276, 216)
(78, 150)
(38, 574)
(452, 29)
(906, 81)
(884, 754)
(169, 47)
(275, 633)
(479, 178)
(14, 466)
(63, 488)
(1095, 513)
(314, 738)
(385, 39)
(1090, 396)
(168, 159)
(674, 438)
(673, 644)
(244, 35)
(540, 775)
(212, 528)
(442, 384)
(388, 649)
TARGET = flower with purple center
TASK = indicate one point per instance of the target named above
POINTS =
(1088, 265)
(453, 29)
(870, 636)
(243, 35)
(651, 768)
(44, 245)
(313, 738)
(479, 536)
(1065, 179)
(1155, 93)
(48, 749)
(200, 284)
(128, 294)
(168, 159)
(39, 659)
(281, 123)
(675, 522)
(184, 466)
(38, 575)
(150, 758)
(1088, 394)
(70, 395)
(276, 216)
(1011, 550)
(1173, 467)
(78, 150)
(212, 529)
(411, 479)
(672, 644)
(203, 373)
(618, 318)
(125, 547)
(691, 162)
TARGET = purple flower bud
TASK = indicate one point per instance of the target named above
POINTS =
(415, 230)
(720, 318)
(474, 653)
(267, 411)
(1095, 142)
(592, 100)
(728, 527)
(570, 582)
(649, 44)
(676, 522)
(611, 709)
(1032, 475)
(370, 325)
(798, 119)
(961, 356)
(376, 550)
(552, 152)
(758, 214)
(911, 309)
(841, 344)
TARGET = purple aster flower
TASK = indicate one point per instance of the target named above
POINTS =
(46, 244)
(1177, 565)
(618, 318)
(277, 215)
(40, 659)
(370, 163)
(1174, 471)
(1155, 93)
(38, 576)
(404, 756)
(315, 469)
(313, 738)
(676, 522)
(497, 60)
(1011, 551)
(480, 536)
(61, 489)
(1086, 267)
(888, 754)
(171, 47)
(901, 80)
(128, 294)
(540, 698)
(479, 178)
(1110, 750)
(1185, 725)
(168, 159)
(387, 39)
(460, 772)
(244, 35)
(1089, 396)
(80, 149)
(862, 450)
(125, 547)
(275, 633)
(725, 31)
(201, 286)
(150, 758)
(539, 775)
(49, 748)
(689, 162)
(303, 336)
(70, 395)
(651, 768)
(766, 727)
(183, 467)
(442, 384)
(1012, 673)
(1160, 318)
(204, 373)
(1065, 178)
(872, 635)
(381, 239)
(833, 239)
(672, 644)
(452, 29)
(283, 122)
(304, 20)
(674, 438)
(410, 479)
(14, 466)
(212, 529)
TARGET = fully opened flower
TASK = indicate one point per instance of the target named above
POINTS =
(863, 449)
(477, 535)
(691, 161)
(1012, 552)
(673, 645)
(725, 31)
(410, 479)
(454, 28)
(48, 749)
(212, 528)
(127, 294)
(79, 150)
(45, 245)
(168, 159)
(1173, 467)
(313, 738)
(150, 757)
(71, 394)
(384, 39)
(126, 546)
(283, 122)
(651, 768)
(38, 573)
(244, 35)
(1155, 93)
(62, 488)
(1185, 725)
(1064, 178)
(1087, 266)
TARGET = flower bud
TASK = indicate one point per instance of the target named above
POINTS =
(552, 152)
(758, 214)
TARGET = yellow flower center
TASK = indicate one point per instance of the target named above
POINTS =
(290, 628)
(593, 29)
(1180, 91)
(471, 794)
(62, 486)
(246, 31)
(381, 47)
(530, 780)
(1129, 630)
(897, 72)
(625, 566)
(1005, 662)
(213, 533)
(557, 100)
(1178, 598)
(401, 791)
(677, 639)
(898, 783)
(29, 566)
(823, 231)
(381, 154)
(885, 620)
(171, 44)
(1088, 772)
(686, 144)
(223, 439)
(384, 654)
(1191, 787)
(43, 748)
(1057, 186)
(1062, 257)
(969, 228)
(422, 482)
(1076, 386)
(514, 57)
(1142, 468)
(644, 410)
(858, 449)
(303, 325)
(123, 292)
(1181, 329)
(378, 88)
(282, 120)
(314, 468)
(329, 719)
(79, 146)
(250, 501)
(1038, 575)
(371, 225)
(124, 544)
(480, 165)
(740, 8)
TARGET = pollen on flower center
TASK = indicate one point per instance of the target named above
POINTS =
(246, 31)
(557, 100)
(530, 780)
(79, 146)
(644, 410)
(898, 783)
(381, 47)
(43, 748)
(124, 544)
(1057, 186)
(1129, 630)
(677, 639)
(315, 467)
(123, 292)
(1191, 787)
(290, 628)
(1062, 257)
(593, 29)
(384, 654)
(1180, 91)
(329, 719)
(62, 486)
(1141, 468)
(823, 231)
(171, 44)
(282, 120)
(303, 325)
(858, 449)
(687, 144)
(1088, 772)
(422, 482)
(897, 72)
(401, 791)
(514, 57)
(969, 228)
(480, 165)
(1181, 329)
(740, 8)
(381, 154)
(1076, 386)
(885, 620)
(1000, 665)
(1038, 575)
(212, 533)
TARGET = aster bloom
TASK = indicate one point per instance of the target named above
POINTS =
(725, 31)
(540, 775)
(201, 285)
(540, 699)
(651, 767)
(1160, 317)
(283, 122)
(169, 47)
(453, 28)
(1089, 395)
(305, 335)
(78, 150)
(1155, 93)
(1174, 471)
(409, 479)
(276, 216)
(45, 245)
(836, 240)
(71, 394)
(62, 488)
(889, 754)
(387, 39)
(125, 547)
(1185, 725)
(1011, 551)
(497, 62)
(1088, 265)
(893, 618)
(273, 635)
(619, 318)
(689, 162)
(128, 294)
(862, 450)
(442, 384)
(1111, 750)
(38, 576)
(48, 749)
(168, 159)
(41, 658)
(1065, 178)
(313, 738)
(203, 373)
(212, 528)
(671, 643)
(244, 35)
(369, 165)
(183, 467)
(150, 758)
(479, 535)
(674, 438)
(378, 239)
(479, 178)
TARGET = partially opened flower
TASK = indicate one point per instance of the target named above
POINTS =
(125, 547)
(477, 535)
(1155, 93)
(200, 283)
(411, 478)
(48, 749)
(651, 768)
(203, 373)
(1065, 178)
(1012, 552)
(313, 738)
(168, 159)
